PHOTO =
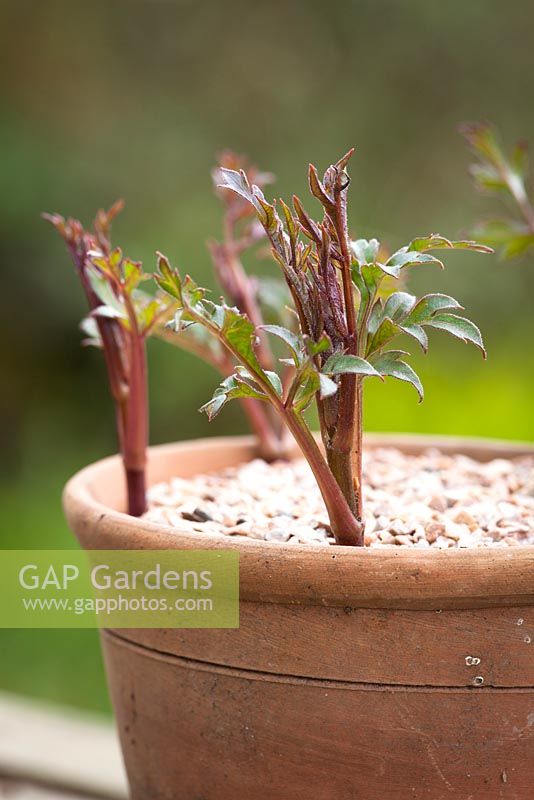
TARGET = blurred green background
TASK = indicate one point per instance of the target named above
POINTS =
(133, 98)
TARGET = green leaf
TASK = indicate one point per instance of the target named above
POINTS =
(103, 290)
(238, 183)
(290, 222)
(488, 178)
(518, 245)
(314, 348)
(132, 274)
(213, 406)
(469, 244)
(432, 242)
(147, 311)
(309, 384)
(292, 340)
(389, 364)
(409, 258)
(418, 333)
(429, 305)
(275, 300)
(497, 232)
(436, 242)
(345, 363)
(365, 250)
(168, 279)
(240, 334)
(519, 159)
(482, 137)
(231, 388)
(275, 382)
(399, 305)
(460, 327)
(386, 331)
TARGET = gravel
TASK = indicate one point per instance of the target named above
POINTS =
(430, 500)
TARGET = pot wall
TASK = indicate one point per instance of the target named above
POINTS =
(353, 674)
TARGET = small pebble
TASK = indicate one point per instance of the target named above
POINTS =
(429, 500)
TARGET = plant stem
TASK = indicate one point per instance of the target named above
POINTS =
(357, 450)
(135, 418)
(344, 451)
(346, 528)
(136, 488)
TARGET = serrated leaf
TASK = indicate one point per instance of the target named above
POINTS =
(460, 327)
(192, 293)
(231, 388)
(132, 273)
(428, 305)
(213, 406)
(345, 363)
(168, 279)
(389, 364)
(240, 333)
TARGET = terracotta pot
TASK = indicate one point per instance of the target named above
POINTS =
(355, 674)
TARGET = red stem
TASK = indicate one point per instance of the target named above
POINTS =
(346, 528)
(346, 443)
(135, 418)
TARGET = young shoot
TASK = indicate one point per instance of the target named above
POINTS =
(348, 324)
(497, 173)
(121, 318)
(261, 300)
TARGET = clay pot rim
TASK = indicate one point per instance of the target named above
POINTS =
(320, 575)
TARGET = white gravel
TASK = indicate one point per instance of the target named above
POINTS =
(430, 500)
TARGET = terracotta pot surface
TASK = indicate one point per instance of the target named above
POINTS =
(349, 677)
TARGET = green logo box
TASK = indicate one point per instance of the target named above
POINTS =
(119, 589)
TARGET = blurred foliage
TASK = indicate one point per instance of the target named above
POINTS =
(495, 173)
(133, 99)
